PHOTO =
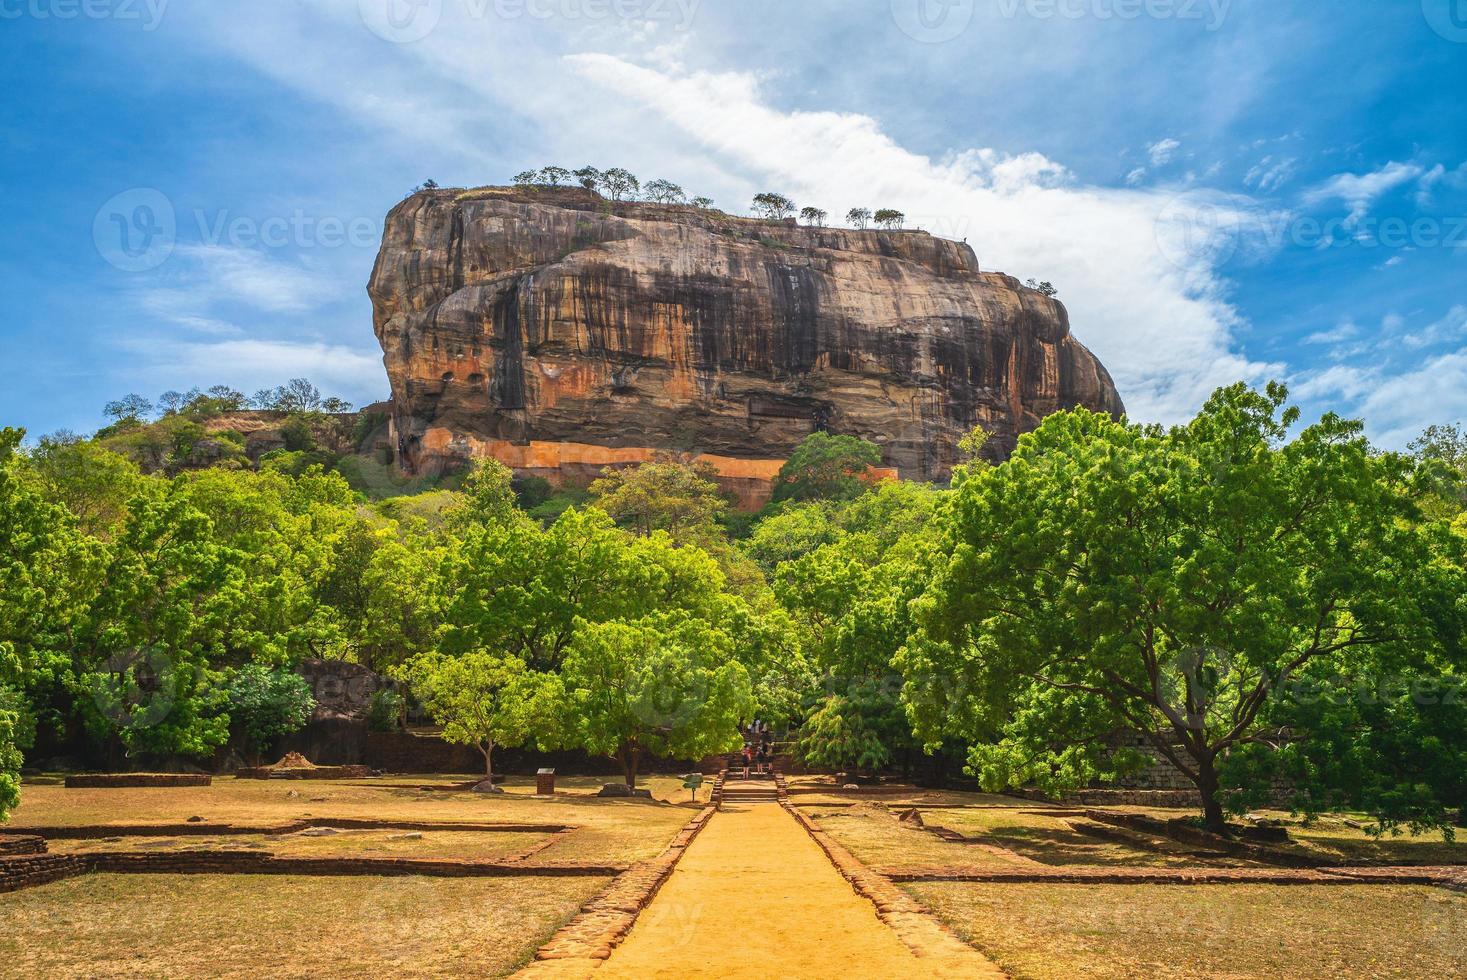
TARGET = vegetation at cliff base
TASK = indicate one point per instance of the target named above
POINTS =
(1275, 609)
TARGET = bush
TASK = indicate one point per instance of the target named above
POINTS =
(265, 704)
(386, 711)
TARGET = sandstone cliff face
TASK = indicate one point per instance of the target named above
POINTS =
(552, 329)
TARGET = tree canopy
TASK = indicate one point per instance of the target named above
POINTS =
(1113, 578)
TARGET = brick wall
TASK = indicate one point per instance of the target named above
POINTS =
(38, 869)
(136, 779)
(14, 844)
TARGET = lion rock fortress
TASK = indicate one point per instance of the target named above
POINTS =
(559, 333)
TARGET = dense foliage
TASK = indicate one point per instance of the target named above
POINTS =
(1273, 609)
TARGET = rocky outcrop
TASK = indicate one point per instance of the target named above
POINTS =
(556, 330)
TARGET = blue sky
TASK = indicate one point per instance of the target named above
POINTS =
(1221, 189)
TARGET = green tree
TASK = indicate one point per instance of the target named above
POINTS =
(664, 192)
(488, 495)
(826, 467)
(859, 217)
(554, 176)
(619, 184)
(889, 218)
(10, 761)
(663, 686)
(669, 494)
(849, 599)
(266, 704)
(702, 203)
(130, 408)
(775, 207)
(49, 574)
(93, 483)
(486, 700)
(1170, 584)
(144, 669)
(588, 177)
(814, 217)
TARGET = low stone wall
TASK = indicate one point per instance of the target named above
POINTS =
(1166, 799)
(133, 780)
(26, 871)
(318, 772)
(203, 828)
(15, 844)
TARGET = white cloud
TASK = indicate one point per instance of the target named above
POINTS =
(1360, 191)
(1347, 330)
(1448, 329)
(1162, 151)
(1398, 408)
(1136, 177)
(1268, 175)
(1153, 312)
(1338, 381)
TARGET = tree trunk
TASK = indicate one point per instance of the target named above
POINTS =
(630, 758)
(487, 747)
(1207, 785)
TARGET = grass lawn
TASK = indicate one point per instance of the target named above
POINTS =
(1059, 932)
(281, 926)
(1052, 840)
(875, 837)
(1001, 837)
(824, 789)
(1329, 836)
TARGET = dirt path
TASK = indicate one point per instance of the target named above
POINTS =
(755, 897)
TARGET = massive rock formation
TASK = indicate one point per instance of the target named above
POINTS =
(560, 332)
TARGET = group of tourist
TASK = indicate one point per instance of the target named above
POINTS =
(758, 752)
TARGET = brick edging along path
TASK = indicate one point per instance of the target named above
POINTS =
(917, 928)
(1444, 877)
(604, 921)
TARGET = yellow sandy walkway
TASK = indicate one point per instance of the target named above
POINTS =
(754, 896)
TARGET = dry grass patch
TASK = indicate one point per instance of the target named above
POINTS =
(338, 844)
(282, 926)
(1059, 932)
(611, 831)
(1052, 840)
(876, 838)
(811, 790)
